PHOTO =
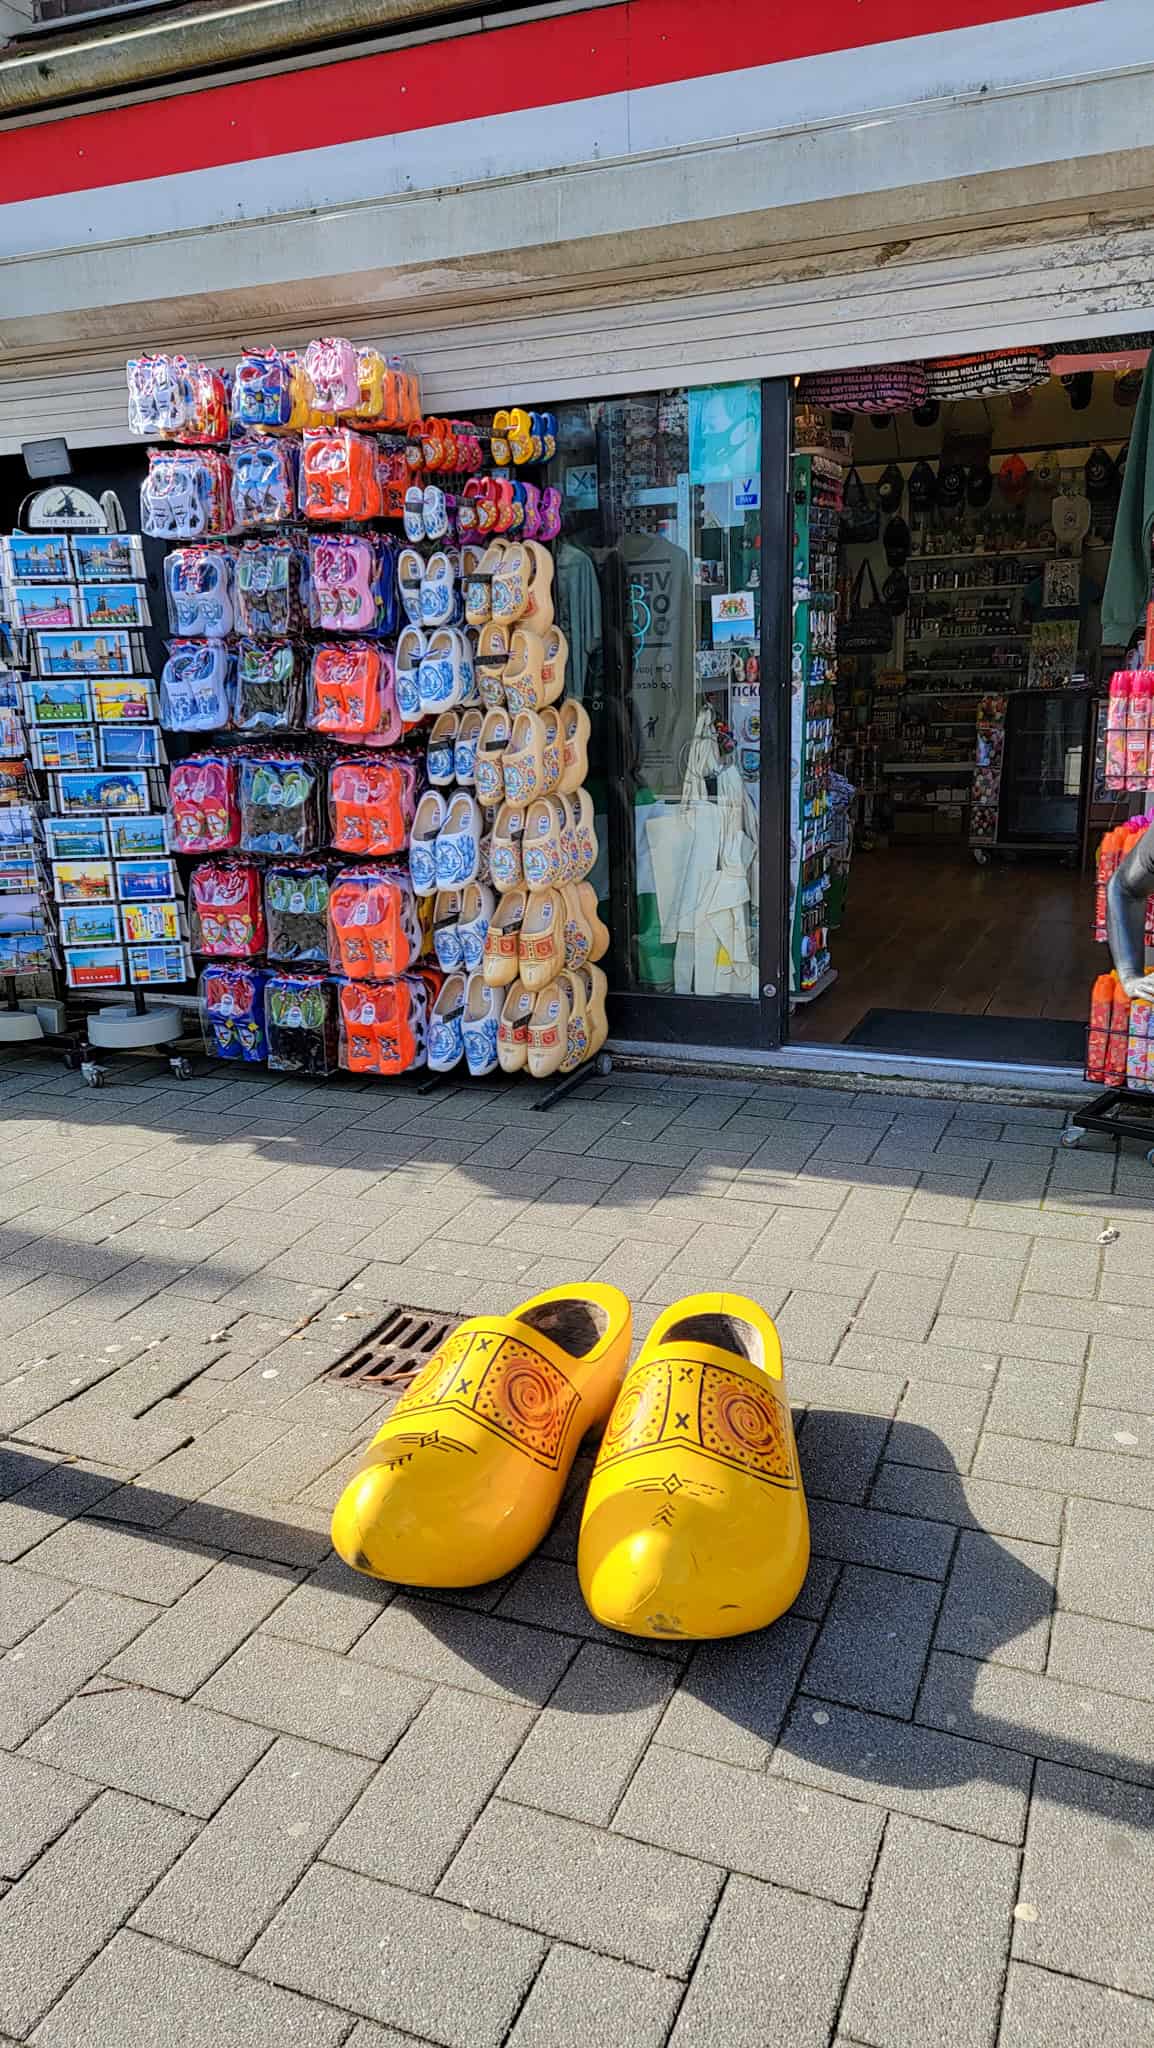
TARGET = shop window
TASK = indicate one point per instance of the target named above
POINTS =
(659, 593)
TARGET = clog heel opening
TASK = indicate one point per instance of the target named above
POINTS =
(576, 1326)
(725, 1333)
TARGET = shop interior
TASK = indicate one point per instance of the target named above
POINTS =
(945, 906)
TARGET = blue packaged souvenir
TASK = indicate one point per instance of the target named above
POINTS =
(233, 999)
(264, 481)
(199, 586)
(196, 686)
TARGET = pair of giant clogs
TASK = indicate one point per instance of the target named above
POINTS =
(695, 1521)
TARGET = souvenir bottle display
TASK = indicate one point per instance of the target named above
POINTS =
(385, 793)
(94, 742)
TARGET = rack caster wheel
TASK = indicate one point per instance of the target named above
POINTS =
(604, 1065)
(182, 1068)
(1072, 1135)
(73, 1060)
(982, 858)
(94, 1076)
(1150, 1156)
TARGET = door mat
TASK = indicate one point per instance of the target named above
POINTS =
(938, 1034)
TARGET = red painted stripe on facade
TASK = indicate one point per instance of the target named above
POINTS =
(502, 71)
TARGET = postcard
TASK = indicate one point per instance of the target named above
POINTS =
(138, 835)
(111, 653)
(94, 967)
(21, 911)
(113, 604)
(36, 558)
(76, 838)
(131, 698)
(83, 881)
(19, 875)
(63, 746)
(147, 922)
(125, 789)
(146, 881)
(12, 747)
(17, 825)
(159, 965)
(130, 746)
(35, 605)
(24, 952)
(58, 703)
(89, 924)
(100, 557)
(733, 616)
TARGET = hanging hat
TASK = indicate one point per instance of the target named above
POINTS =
(923, 487)
(1127, 386)
(1079, 389)
(1014, 479)
(929, 414)
(979, 485)
(951, 484)
(843, 421)
(881, 420)
(1046, 473)
(897, 543)
(1101, 476)
(891, 489)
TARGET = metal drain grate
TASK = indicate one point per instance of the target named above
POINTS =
(403, 1341)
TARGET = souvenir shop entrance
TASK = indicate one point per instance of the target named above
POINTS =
(893, 854)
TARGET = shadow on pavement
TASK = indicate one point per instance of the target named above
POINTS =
(840, 1696)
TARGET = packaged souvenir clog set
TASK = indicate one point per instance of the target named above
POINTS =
(386, 791)
(77, 603)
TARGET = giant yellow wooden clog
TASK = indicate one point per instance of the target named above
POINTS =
(464, 1478)
(695, 1522)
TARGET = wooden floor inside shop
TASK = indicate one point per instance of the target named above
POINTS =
(927, 929)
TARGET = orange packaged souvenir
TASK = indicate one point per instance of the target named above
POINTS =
(372, 801)
(383, 1025)
(374, 930)
(351, 692)
(339, 475)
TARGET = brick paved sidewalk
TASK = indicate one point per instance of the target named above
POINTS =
(247, 1798)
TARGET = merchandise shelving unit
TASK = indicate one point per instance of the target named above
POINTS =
(817, 491)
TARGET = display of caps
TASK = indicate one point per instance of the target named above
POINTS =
(923, 487)
(1079, 389)
(951, 484)
(1101, 475)
(891, 489)
(897, 543)
(979, 485)
(1014, 479)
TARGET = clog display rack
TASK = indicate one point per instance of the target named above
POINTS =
(381, 783)
(95, 826)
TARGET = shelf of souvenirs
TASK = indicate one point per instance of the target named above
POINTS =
(1015, 554)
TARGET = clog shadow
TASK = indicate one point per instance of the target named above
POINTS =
(876, 1679)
